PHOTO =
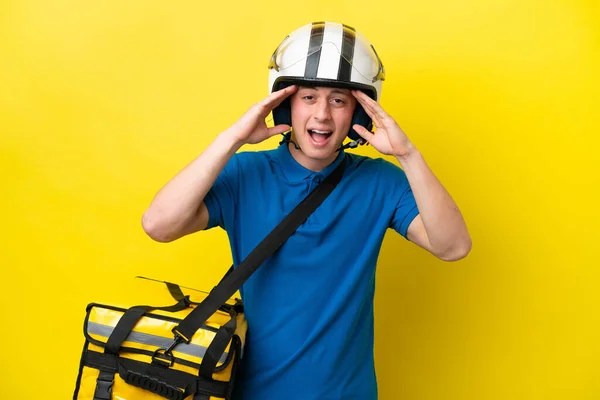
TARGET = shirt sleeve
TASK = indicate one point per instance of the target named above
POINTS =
(221, 198)
(405, 206)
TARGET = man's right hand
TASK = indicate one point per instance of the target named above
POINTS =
(251, 128)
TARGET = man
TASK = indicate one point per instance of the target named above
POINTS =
(310, 306)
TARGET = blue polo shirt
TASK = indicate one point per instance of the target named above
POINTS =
(310, 306)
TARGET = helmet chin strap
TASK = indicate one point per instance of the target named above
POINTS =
(353, 144)
(287, 138)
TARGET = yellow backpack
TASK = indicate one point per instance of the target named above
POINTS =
(127, 352)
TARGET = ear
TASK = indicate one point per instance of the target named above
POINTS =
(282, 114)
(361, 118)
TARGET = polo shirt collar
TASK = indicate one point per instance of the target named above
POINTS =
(296, 172)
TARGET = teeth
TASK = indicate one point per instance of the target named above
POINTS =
(321, 132)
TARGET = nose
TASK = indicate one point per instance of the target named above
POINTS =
(322, 111)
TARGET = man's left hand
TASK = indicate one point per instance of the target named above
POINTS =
(388, 138)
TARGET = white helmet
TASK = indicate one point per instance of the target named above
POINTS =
(326, 54)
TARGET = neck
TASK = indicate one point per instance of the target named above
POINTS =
(310, 163)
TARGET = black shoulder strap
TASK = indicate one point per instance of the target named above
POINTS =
(234, 280)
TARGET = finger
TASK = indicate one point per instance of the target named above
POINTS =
(279, 129)
(359, 94)
(370, 112)
(363, 100)
(276, 98)
(364, 133)
(371, 104)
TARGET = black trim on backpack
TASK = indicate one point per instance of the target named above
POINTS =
(80, 373)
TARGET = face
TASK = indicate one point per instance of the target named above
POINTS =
(321, 119)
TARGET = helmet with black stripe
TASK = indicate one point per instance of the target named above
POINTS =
(327, 54)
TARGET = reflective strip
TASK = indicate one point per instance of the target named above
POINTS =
(153, 340)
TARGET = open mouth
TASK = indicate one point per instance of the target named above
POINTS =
(318, 137)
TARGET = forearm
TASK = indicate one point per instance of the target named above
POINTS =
(179, 200)
(444, 224)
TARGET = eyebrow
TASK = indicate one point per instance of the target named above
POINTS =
(346, 92)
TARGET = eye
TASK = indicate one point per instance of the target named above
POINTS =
(308, 97)
(339, 101)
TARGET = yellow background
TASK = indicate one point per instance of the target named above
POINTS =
(101, 102)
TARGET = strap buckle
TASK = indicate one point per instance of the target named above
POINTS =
(104, 385)
(164, 357)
